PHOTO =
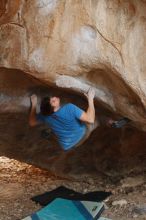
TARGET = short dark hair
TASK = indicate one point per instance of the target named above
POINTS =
(45, 107)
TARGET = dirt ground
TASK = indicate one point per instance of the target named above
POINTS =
(20, 181)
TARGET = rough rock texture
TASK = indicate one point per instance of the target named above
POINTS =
(73, 44)
(109, 152)
(100, 43)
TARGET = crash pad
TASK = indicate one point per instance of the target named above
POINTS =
(63, 209)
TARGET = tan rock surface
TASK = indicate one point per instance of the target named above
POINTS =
(73, 44)
(100, 43)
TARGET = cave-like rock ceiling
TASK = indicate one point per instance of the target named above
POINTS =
(68, 46)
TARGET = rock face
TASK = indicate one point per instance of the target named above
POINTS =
(71, 45)
(109, 151)
(100, 43)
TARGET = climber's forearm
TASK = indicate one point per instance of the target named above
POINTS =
(89, 115)
(91, 111)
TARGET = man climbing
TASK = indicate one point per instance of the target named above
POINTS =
(70, 124)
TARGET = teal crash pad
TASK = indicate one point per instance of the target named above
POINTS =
(63, 209)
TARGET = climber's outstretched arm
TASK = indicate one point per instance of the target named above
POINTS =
(89, 115)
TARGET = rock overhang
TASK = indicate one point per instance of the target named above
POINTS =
(74, 45)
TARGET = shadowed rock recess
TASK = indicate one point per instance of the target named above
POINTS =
(66, 46)
(109, 151)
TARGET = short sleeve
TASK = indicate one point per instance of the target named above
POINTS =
(40, 117)
(76, 111)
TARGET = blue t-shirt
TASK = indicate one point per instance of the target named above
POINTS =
(66, 125)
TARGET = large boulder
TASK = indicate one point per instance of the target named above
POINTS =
(68, 46)
(80, 43)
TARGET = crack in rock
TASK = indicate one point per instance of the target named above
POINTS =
(110, 42)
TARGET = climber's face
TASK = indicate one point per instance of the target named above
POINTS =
(55, 102)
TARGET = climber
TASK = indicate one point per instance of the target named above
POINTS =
(70, 124)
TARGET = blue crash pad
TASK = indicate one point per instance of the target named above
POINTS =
(63, 209)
